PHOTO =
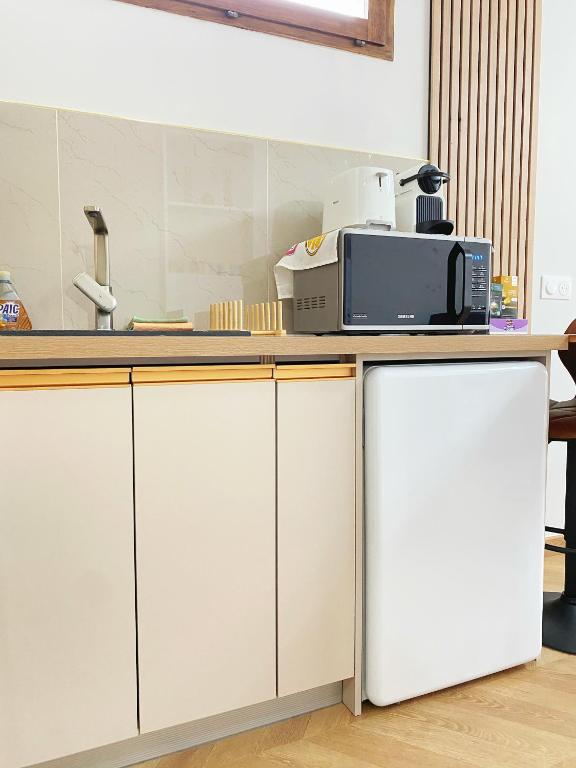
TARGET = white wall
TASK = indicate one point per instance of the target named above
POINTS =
(109, 57)
(555, 205)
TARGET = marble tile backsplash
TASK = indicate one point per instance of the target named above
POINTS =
(194, 216)
(29, 209)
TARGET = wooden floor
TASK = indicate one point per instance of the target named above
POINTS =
(524, 717)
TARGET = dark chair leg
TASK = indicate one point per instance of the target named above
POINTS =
(559, 618)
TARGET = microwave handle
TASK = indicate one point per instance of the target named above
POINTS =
(466, 295)
(467, 285)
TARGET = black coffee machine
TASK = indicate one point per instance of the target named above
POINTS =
(420, 204)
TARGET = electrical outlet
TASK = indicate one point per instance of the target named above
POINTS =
(558, 287)
(565, 288)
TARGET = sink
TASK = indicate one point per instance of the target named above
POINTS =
(126, 333)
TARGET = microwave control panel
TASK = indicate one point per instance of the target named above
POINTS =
(480, 278)
(481, 253)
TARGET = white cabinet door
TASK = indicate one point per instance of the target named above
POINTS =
(205, 530)
(67, 618)
(316, 540)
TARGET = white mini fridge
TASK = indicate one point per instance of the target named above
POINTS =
(455, 466)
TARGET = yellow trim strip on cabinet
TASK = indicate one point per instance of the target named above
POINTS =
(200, 373)
(326, 371)
(50, 378)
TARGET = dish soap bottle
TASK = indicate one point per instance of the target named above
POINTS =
(13, 315)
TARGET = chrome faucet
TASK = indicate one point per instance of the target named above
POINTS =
(98, 290)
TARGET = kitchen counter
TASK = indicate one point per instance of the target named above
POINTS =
(212, 488)
(28, 351)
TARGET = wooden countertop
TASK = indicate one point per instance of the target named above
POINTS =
(28, 351)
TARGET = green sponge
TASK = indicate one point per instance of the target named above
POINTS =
(180, 319)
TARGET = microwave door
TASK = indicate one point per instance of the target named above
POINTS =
(394, 282)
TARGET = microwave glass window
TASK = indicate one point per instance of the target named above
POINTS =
(411, 281)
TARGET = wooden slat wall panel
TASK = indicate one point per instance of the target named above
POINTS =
(463, 124)
(454, 114)
(444, 113)
(525, 143)
(535, 73)
(493, 11)
(500, 135)
(481, 137)
(510, 96)
(517, 147)
(485, 69)
(473, 104)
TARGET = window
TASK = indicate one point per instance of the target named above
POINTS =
(362, 26)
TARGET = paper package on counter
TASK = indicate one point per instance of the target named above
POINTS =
(316, 252)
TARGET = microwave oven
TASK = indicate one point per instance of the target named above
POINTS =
(390, 282)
